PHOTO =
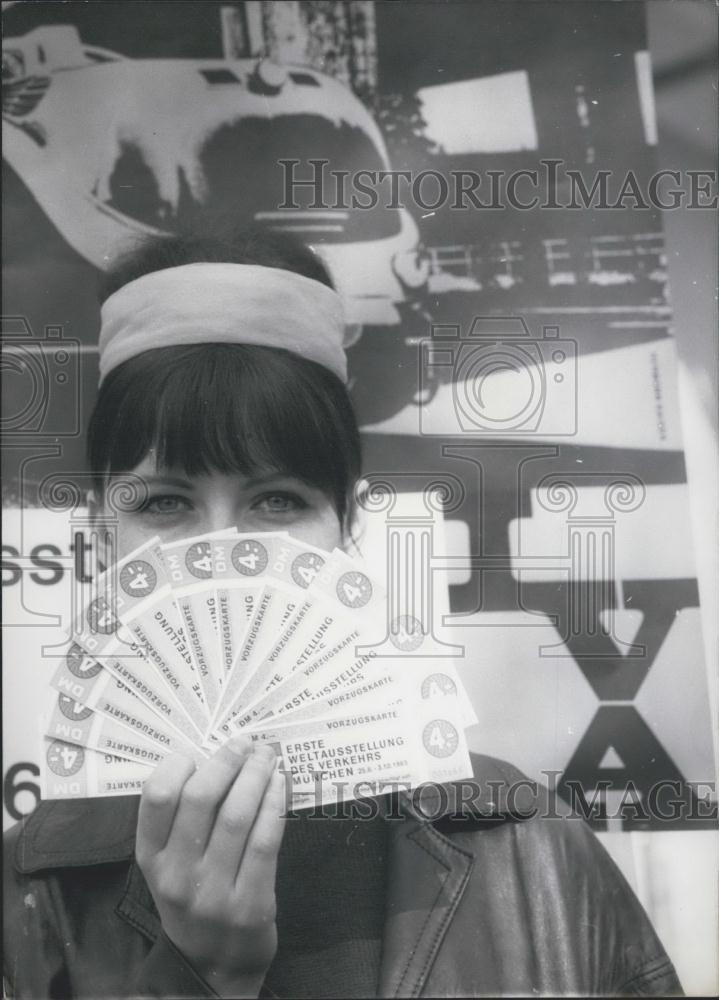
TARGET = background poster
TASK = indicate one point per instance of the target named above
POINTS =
(573, 587)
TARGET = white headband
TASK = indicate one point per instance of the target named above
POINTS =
(210, 303)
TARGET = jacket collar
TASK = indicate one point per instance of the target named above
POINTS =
(75, 833)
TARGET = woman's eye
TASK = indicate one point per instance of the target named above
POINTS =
(166, 504)
(279, 503)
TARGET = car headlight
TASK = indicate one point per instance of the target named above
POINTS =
(268, 77)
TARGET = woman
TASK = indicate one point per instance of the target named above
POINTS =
(222, 388)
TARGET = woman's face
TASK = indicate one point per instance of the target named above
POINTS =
(178, 506)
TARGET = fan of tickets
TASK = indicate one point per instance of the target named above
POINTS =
(182, 645)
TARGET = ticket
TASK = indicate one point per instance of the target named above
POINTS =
(361, 686)
(310, 629)
(353, 757)
(316, 625)
(319, 624)
(132, 669)
(159, 627)
(184, 644)
(74, 722)
(327, 760)
(355, 607)
(239, 562)
(315, 693)
(290, 568)
(190, 569)
(308, 687)
(369, 606)
(69, 771)
(158, 717)
(134, 611)
(348, 657)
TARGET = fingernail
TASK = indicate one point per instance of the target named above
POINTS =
(240, 745)
(266, 750)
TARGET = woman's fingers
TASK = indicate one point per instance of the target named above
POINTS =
(201, 798)
(256, 875)
(240, 812)
(207, 842)
(158, 805)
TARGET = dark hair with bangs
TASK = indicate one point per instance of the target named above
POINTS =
(226, 407)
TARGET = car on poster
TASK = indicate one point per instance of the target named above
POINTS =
(97, 139)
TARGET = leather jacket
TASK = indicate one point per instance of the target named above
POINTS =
(496, 891)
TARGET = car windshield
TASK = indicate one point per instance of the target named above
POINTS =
(240, 164)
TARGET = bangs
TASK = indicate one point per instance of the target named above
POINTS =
(227, 408)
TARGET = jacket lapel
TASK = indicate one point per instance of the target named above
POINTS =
(137, 906)
(429, 872)
(77, 833)
(427, 878)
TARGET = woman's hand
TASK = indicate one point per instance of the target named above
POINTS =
(207, 844)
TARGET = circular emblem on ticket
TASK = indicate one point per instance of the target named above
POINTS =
(406, 634)
(100, 617)
(72, 709)
(440, 738)
(198, 560)
(436, 685)
(305, 567)
(80, 663)
(354, 589)
(138, 578)
(249, 557)
(64, 759)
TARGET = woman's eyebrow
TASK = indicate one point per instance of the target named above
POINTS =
(167, 481)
